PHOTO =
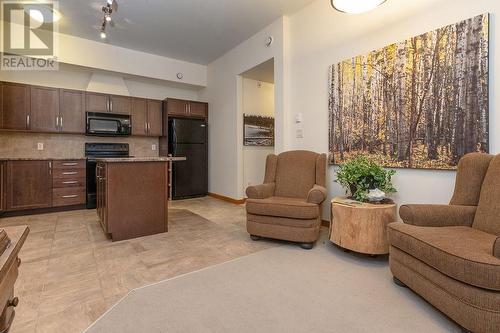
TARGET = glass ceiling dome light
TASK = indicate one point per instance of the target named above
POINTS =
(356, 6)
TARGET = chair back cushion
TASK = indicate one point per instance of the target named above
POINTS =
(488, 211)
(470, 176)
(295, 173)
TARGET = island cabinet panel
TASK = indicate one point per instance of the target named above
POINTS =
(44, 109)
(125, 212)
(29, 185)
(72, 111)
(15, 106)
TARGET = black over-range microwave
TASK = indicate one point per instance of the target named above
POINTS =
(107, 124)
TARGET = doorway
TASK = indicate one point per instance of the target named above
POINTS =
(258, 113)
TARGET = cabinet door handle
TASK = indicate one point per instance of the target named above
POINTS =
(70, 173)
(70, 164)
(50, 168)
(110, 104)
(61, 123)
(71, 182)
(57, 122)
(69, 196)
(28, 120)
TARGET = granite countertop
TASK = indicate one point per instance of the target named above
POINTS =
(139, 159)
(41, 158)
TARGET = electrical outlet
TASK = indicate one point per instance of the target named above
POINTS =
(299, 134)
(153, 147)
(40, 146)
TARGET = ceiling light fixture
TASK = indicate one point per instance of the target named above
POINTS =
(110, 7)
(356, 6)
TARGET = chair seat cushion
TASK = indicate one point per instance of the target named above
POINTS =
(294, 208)
(462, 253)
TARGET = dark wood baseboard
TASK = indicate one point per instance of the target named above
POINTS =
(42, 211)
(228, 199)
(325, 223)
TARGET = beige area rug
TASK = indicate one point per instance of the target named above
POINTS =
(283, 289)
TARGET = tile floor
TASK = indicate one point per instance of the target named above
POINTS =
(71, 273)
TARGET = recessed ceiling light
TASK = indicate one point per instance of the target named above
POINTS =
(356, 6)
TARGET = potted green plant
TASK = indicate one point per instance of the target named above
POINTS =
(361, 175)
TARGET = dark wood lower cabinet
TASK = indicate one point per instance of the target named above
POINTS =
(35, 184)
(29, 185)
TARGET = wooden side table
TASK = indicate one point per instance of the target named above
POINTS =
(361, 227)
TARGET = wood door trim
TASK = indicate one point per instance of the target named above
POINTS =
(227, 199)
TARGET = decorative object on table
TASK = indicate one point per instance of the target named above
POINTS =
(361, 227)
(258, 130)
(421, 103)
(361, 176)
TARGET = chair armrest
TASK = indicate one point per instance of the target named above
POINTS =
(496, 248)
(260, 191)
(316, 195)
(438, 215)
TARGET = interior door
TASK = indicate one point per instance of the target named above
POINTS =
(120, 104)
(15, 106)
(29, 184)
(95, 102)
(72, 111)
(44, 109)
(139, 116)
(154, 118)
(190, 177)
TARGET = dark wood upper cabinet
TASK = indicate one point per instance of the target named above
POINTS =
(15, 106)
(96, 102)
(72, 111)
(139, 116)
(182, 108)
(120, 104)
(29, 184)
(198, 109)
(44, 109)
(154, 118)
(177, 107)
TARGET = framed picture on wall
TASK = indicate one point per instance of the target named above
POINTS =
(258, 131)
(420, 103)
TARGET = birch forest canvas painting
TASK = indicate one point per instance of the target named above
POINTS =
(420, 103)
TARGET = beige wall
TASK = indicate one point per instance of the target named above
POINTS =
(321, 36)
(258, 99)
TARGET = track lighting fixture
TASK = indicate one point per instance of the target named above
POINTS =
(110, 7)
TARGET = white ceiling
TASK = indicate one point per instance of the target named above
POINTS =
(192, 30)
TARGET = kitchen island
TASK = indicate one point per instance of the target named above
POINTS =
(132, 195)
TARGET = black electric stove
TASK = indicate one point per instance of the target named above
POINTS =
(95, 150)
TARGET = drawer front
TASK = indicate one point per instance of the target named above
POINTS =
(68, 196)
(68, 182)
(68, 173)
(69, 164)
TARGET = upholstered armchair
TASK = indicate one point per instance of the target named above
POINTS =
(288, 205)
(450, 254)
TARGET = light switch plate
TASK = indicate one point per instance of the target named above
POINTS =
(153, 147)
(40, 146)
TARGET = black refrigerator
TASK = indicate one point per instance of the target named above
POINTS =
(188, 138)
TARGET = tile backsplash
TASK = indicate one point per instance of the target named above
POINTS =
(17, 144)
